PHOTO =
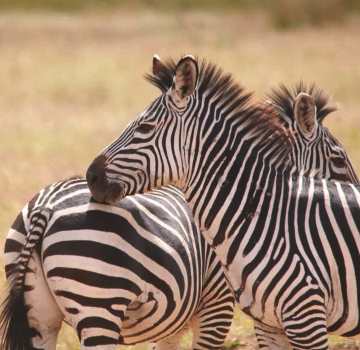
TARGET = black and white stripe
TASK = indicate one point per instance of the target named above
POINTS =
(315, 152)
(289, 243)
(139, 271)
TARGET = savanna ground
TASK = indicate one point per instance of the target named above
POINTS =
(71, 82)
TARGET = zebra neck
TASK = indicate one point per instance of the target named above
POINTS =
(226, 195)
(227, 167)
(242, 221)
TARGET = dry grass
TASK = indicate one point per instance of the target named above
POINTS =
(71, 83)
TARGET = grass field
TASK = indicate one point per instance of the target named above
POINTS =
(70, 83)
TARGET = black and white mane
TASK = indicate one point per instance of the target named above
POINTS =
(241, 107)
(283, 98)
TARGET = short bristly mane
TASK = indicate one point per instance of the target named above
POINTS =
(261, 118)
(164, 78)
(283, 98)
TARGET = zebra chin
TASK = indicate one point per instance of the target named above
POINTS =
(111, 193)
(102, 189)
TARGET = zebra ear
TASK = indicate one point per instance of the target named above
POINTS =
(157, 65)
(305, 113)
(185, 79)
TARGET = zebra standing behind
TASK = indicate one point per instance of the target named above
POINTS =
(289, 243)
(72, 234)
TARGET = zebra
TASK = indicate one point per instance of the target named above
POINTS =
(98, 265)
(67, 199)
(315, 151)
(289, 243)
(58, 208)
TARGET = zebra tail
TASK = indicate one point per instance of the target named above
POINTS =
(15, 330)
(14, 326)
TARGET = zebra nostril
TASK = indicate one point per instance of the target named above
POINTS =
(91, 177)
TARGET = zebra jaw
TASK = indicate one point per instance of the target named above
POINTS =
(111, 194)
(103, 189)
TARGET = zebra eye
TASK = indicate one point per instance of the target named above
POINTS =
(145, 128)
(339, 162)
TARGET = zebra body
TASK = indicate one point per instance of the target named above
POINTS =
(139, 271)
(305, 273)
(289, 243)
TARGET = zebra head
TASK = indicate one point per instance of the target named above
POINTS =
(150, 152)
(315, 151)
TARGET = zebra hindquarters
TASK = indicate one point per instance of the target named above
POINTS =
(44, 315)
(83, 275)
(30, 318)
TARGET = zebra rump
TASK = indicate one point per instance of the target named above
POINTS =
(183, 283)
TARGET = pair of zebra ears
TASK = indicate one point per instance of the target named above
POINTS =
(305, 113)
(185, 80)
(185, 77)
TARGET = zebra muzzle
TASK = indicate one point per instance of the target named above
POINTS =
(103, 190)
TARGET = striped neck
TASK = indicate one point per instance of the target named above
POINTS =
(226, 172)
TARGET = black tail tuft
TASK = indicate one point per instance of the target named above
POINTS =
(15, 332)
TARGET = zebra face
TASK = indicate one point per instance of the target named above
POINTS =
(339, 165)
(316, 152)
(148, 154)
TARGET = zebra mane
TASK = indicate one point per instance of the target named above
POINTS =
(263, 119)
(283, 99)
(164, 78)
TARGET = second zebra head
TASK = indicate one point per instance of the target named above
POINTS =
(315, 151)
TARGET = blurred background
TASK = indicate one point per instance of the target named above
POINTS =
(71, 78)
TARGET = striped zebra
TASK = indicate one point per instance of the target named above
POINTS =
(64, 207)
(289, 243)
(139, 271)
(315, 152)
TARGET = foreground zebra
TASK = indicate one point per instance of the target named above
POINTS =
(102, 266)
(73, 227)
(289, 244)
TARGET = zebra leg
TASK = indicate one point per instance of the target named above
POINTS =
(305, 323)
(170, 343)
(98, 333)
(270, 338)
(211, 326)
(97, 329)
(43, 314)
(212, 321)
(98, 339)
(313, 335)
(100, 347)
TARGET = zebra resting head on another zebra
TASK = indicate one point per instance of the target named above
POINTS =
(312, 149)
(72, 237)
(289, 243)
